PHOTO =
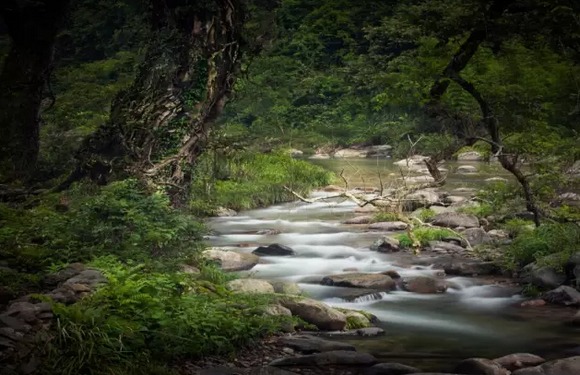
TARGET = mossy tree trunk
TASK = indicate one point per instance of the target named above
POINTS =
(32, 27)
(158, 127)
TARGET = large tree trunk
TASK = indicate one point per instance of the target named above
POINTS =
(158, 127)
(32, 26)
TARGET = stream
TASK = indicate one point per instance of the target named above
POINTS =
(474, 318)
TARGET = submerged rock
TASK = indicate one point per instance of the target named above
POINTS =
(308, 344)
(338, 358)
(480, 366)
(424, 285)
(361, 280)
(273, 250)
(391, 369)
(566, 366)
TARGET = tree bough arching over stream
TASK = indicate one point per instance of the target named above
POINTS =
(194, 187)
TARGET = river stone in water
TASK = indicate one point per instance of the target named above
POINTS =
(542, 276)
(480, 366)
(253, 286)
(517, 361)
(466, 169)
(389, 226)
(337, 357)
(566, 366)
(360, 280)
(386, 245)
(445, 247)
(307, 344)
(231, 261)
(273, 250)
(314, 312)
(364, 219)
(421, 198)
(391, 369)
(424, 285)
(455, 219)
(563, 295)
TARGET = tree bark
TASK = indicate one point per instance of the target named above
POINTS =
(159, 126)
(32, 27)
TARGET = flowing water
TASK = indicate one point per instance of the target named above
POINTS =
(474, 318)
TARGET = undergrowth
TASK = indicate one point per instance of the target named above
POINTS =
(423, 235)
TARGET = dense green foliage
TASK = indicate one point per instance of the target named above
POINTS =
(244, 180)
(423, 235)
(143, 320)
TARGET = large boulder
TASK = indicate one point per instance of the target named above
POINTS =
(231, 261)
(424, 285)
(314, 312)
(333, 358)
(361, 280)
(386, 245)
(421, 198)
(470, 156)
(273, 250)
(455, 219)
(563, 295)
(517, 361)
(307, 344)
(389, 226)
(476, 236)
(543, 277)
(566, 366)
(480, 366)
(253, 286)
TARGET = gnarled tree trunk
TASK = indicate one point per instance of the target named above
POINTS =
(32, 27)
(158, 127)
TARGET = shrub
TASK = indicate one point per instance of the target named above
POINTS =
(537, 244)
(386, 216)
(426, 214)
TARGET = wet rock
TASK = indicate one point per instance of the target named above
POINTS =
(455, 219)
(253, 286)
(563, 295)
(445, 247)
(307, 344)
(476, 236)
(566, 366)
(355, 320)
(392, 274)
(572, 269)
(364, 219)
(469, 268)
(391, 369)
(421, 198)
(273, 250)
(386, 245)
(337, 358)
(470, 156)
(224, 212)
(575, 321)
(389, 226)
(517, 361)
(231, 261)
(466, 169)
(480, 366)
(314, 312)
(285, 287)
(533, 303)
(370, 331)
(424, 285)
(542, 276)
(361, 280)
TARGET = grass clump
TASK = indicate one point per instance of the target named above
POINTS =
(386, 216)
(246, 180)
(423, 235)
(426, 214)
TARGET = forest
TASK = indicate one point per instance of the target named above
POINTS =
(289, 186)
